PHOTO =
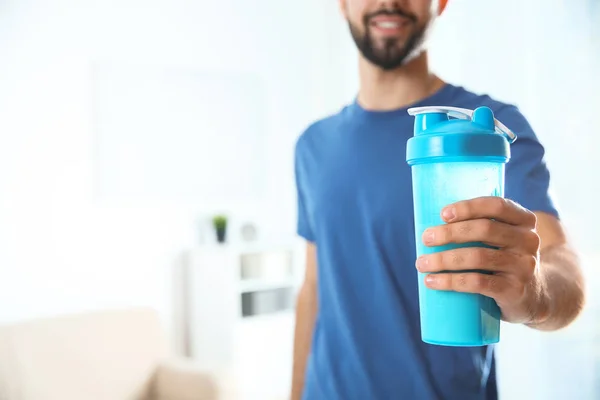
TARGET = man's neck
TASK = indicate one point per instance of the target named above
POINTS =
(389, 90)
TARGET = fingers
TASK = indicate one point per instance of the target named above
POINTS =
(499, 223)
(492, 207)
(495, 286)
(477, 258)
(493, 233)
(510, 294)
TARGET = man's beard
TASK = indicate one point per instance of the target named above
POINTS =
(392, 54)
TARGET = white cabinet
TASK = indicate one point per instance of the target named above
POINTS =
(213, 308)
(235, 297)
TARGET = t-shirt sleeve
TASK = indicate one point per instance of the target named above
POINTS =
(527, 176)
(304, 227)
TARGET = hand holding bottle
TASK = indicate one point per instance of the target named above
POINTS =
(513, 279)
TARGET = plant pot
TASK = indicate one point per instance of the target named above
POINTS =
(221, 234)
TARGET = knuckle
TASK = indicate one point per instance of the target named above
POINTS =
(492, 258)
(532, 263)
(508, 235)
(492, 283)
(532, 241)
(456, 258)
(499, 205)
(485, 227)
(460, 280)
(479, 281)
(535, 240)
(529, 217)
(485, 283)
(532, 218)
(477, 257)
(464, 228)
(511, 203)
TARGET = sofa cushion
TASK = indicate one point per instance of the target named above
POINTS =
(109, 355)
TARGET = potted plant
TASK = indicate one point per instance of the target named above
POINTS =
(220, 224)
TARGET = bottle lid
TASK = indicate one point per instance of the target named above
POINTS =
(446, 134)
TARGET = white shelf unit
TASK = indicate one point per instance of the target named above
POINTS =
(259, 285)
(230, 290)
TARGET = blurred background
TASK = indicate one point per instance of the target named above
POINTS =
(127, 126)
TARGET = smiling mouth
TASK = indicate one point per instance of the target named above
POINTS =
(389, 25)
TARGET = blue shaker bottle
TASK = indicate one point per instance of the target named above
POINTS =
(455, 154)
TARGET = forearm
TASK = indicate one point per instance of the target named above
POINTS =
(561, 287)
(306, 311)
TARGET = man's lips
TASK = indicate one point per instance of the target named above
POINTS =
(389, 24)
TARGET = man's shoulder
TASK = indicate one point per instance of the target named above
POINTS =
(508, 113)
(318, 129)
(471, 99)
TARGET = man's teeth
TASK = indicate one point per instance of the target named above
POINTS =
(388, 25)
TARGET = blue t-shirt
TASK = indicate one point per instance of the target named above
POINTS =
(355, 203)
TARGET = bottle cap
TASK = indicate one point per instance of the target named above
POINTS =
(446, 134)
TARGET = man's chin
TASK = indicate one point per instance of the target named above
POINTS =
(390, 66)
(383, 43)
(389, 62)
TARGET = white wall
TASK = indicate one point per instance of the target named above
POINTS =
(63, 249)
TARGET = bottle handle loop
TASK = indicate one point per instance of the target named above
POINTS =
(465, 114)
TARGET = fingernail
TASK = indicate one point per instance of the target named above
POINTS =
(448, 214)
(422, 262)
(430, 280)
(428, 237)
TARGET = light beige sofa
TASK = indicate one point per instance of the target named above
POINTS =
(111, 355)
